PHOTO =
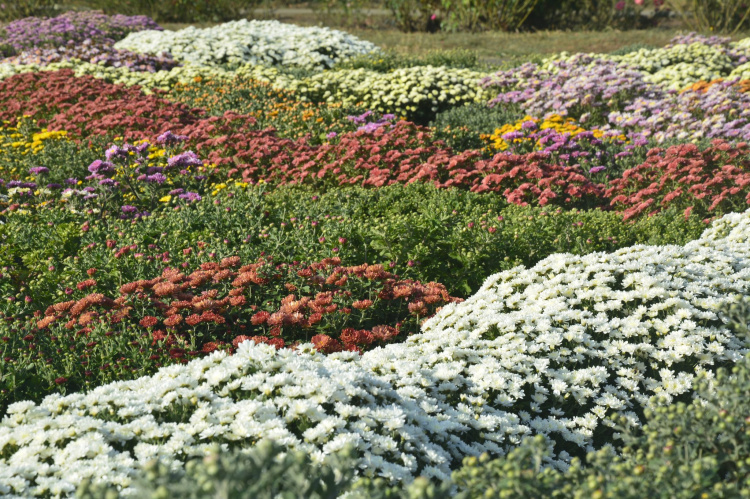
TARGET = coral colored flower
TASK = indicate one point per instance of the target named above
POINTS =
(148, 321)
(325, 343)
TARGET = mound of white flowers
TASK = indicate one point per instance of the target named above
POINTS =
(258, 42)
(550, 350)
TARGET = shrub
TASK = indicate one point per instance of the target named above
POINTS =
(19, 9)
(431, 15)
(181, 11)
(263, 471)
(595, 14)
(267, 43)
(389, 60)
(72, 27)
(478, 118)
(722, 16)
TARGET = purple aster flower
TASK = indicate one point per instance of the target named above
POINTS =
(101, 167)
(129, 209)
(112, 152)
(183, 160)
(597, 169)
(107, 182)
(175, 192)
(71, 181)
(38, 170)
(54, 186)
(168, 138)
(158, 178)
(191, 196)
(331, 135)
(512, 136)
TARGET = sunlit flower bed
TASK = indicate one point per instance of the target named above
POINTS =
(552, 350)
(218, 236)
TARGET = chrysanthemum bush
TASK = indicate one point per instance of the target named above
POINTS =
(661, 458)
(258, 42)
(554, 350)
(714, 466)
(710, 180)
(417, 92)
(178, 316)
(71, 28)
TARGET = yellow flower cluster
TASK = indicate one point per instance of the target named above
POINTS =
(556, 122)
(21, 140)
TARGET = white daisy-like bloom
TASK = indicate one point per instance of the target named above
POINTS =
(266, 43)
(555, 349)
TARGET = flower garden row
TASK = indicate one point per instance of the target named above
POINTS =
(200, 250)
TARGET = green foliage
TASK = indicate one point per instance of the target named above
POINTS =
(412, 15)
(458, 15)
(478, 118)
(593, 15)
(389, 60)
(180, 10)
(444, 233)
(261, 472)
(505, 15)
(721, 16)
(634, 47)
(18, 9)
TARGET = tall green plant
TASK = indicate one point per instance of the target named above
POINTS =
(180, 10)
(505, 15)
(411, 15)
(18, 9)
(725, 16)
(595, 15)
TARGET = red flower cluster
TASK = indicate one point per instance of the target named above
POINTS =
(711, 181)
(216, 299)
(401, 154)
(406, 153)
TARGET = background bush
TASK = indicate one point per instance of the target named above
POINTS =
(724, 16)
(17, 9)
(594, 15)
(186, 11)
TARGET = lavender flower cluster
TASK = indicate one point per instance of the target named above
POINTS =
(38, 32)
(95, 53)
(84, 36)
(616, 97)
(582, 86)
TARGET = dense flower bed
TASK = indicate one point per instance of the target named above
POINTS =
(482, 375)
(213, 237)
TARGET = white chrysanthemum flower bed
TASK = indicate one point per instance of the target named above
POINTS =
(554, 349)
(258, 42)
